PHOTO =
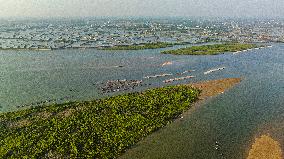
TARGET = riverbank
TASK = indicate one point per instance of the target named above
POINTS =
(212, 49)
(102, 128)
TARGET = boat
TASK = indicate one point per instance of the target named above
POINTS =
(237, 52)
(167, 63)
(118, 66)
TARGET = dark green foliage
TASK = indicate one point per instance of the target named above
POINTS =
(97, 129)
(142, 47)
(211, 49)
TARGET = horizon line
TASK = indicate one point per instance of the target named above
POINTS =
(136, 17)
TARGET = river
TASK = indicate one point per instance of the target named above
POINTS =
(231, 119)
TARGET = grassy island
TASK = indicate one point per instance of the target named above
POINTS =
(103, 128)
(211, 49)
(142, 46)
(96, 129)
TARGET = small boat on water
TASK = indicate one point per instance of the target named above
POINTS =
(188, 71)
(214, 70)
(167, 63)
(237, 52)
(119, 66)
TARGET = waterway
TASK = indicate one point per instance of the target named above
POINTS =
(231, 119)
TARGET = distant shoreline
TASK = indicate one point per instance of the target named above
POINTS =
(145, 46)
(16, 49)
(138, 47)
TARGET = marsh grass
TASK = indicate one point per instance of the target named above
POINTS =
(211, 49)
(95, 129)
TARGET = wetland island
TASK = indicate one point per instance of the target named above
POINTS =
(102, 128)
(214, 49)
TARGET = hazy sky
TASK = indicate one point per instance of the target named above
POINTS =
(89, 8)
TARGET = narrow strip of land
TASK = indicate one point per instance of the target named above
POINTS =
(141, 46)
(215, 87)
(211, 49)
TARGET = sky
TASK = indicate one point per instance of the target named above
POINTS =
(152, 8)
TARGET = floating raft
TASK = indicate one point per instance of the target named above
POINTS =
(189, 71)
(120, 85)
(156, 76)
(214, 70)
(178, 79)
(237, 52)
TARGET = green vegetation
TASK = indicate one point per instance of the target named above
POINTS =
(142, 47)
(96, 129)
(211, 49)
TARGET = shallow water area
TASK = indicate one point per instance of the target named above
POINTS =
(231, 119)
